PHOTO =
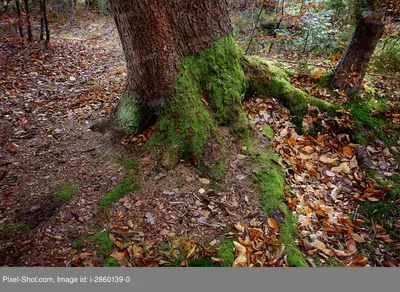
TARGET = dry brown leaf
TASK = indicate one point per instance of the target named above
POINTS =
(239, 227)
(357, 237)
(240, 261)
(284, 132)
(217, 260)
(351, 246)
(119, 256)
(321, 246)
(341, 253)
(240, 249)
(347, 152)
(273, 225)
(129, 223)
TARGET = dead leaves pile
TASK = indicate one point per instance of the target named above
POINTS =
(326, 185)
(259, 247)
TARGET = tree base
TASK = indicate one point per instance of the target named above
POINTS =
(208, 92)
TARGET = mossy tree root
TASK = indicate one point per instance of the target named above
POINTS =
(269, 79)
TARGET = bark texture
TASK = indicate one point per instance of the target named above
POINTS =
(19, 23)
(157, 34)
(352, 68)
(28, 20)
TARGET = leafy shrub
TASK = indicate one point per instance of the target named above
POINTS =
(389, 58)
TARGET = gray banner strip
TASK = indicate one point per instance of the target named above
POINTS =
(199, 279)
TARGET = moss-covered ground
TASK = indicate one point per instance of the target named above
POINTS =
(65, 193)
(269, 178)
(16, 227)
(126, 186)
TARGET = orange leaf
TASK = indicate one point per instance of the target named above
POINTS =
(272, 223)
(318, 74)
(347, 152)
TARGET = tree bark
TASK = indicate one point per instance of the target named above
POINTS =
(183, 67)
(41, 21)
(19, 23)
(352, 68)
(157, 34)
(46, 24)
(28, 20)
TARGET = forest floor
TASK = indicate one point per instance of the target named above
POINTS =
(73, 197)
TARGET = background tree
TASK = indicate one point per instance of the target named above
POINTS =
(28, 20)
(19, 23)
(352, 68)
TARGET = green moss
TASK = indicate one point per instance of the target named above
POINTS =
(65, 193)
(331, 263)
(16, 227)
(79, 243)
(126, 186)
(130, 116)
(270, 180)
(99, 241)
(226, 252)
(268, 132)
(368, 127)
(111, 262)
(102, 243)
(201, 262)
(289, 232)
(130, 164)
(386, 211)
(207, 92)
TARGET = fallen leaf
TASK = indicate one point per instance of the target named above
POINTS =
(129, 223)
(340, 253)
(357, 237)
(317, 74)
(273, 225)
(204, 181)
(55, 237)
(217, 260)
(149, 218)
(119, 256)
(284, 132)
(347, 152)
(321, 246)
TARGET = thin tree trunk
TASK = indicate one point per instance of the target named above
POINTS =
(19, 23)
(41, 21)
(277, 27)
(46, 24)
(28, 20)
(157, 34)
(352, 68)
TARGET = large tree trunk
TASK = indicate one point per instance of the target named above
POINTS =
(352, 68)
(157, 34)
(179, 54)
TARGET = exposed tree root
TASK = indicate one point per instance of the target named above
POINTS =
(267, 78)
